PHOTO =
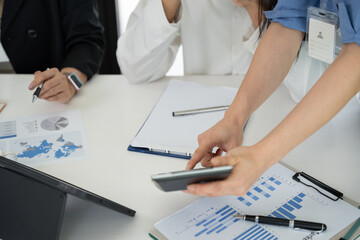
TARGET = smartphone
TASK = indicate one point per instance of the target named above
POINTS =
(174, 181)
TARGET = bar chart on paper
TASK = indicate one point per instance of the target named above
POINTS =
(275, 194)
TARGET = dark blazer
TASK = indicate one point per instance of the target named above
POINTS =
(37, 34)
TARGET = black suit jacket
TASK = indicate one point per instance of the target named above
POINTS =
(37, 34)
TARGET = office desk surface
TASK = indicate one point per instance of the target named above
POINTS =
(114, 110)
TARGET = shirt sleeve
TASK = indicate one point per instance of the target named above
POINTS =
(150, 43)
(84, 36)
(349, 19)
(291, 13)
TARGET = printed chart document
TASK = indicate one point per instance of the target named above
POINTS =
(274, 194)
(45, 138)
(177, 136)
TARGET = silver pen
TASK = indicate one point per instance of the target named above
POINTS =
(199, 110)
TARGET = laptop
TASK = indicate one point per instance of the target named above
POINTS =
(32, 203)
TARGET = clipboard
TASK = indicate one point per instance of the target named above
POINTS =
(165, 135)
(275, 194)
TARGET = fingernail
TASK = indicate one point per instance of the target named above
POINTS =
(31, 86)
(191, 188)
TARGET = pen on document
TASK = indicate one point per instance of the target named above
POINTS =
(199, 110)
(37, 92)
(295, 224)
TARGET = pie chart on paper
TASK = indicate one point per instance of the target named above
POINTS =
(54, 123)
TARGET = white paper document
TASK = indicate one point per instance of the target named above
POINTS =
(45, 138)
(275, 194)
(166, 134)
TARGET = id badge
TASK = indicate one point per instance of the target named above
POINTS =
(321, 34)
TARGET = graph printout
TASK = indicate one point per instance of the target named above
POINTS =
(45, 138)
(274, 194)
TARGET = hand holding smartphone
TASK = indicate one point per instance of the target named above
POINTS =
(174, 181)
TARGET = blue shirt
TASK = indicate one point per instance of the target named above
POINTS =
(293, 14)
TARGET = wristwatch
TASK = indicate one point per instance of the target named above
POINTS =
(75, 80)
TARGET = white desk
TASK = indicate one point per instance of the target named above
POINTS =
(113, 111)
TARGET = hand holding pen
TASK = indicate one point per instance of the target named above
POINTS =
(55, 86)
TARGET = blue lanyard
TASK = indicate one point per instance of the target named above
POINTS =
(323, 4)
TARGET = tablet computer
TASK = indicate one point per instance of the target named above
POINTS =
(61, 185)
(174, 181)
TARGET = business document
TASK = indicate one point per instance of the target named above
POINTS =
(275, 194)
(45, 138)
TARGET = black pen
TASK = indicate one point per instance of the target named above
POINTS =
(295, 224)
(37, 92)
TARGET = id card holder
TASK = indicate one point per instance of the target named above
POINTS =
(322, 29)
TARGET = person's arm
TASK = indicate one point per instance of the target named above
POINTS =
(84, 49)
(329, 95)
(148, 47)
(271, 62)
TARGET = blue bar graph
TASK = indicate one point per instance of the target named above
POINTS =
(277, 182)
(209, 222)
(286, 213)
(247, 203)
(222, 209)
(230, 214)
(262, 192)
(287, 210)
(201, 232)
(294, 204)
(301, 195)
(253, 196)
(255, 232)
(268, 186)
(278, 215)
(297, 199)
(213, 229)
(288, 207)
(216, 222)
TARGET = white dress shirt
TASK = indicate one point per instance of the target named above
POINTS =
(218, 38)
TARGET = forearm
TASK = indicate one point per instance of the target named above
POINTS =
(328, 96)
(171, 8)
(270, 65)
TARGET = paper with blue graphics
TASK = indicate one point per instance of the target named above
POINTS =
(45, 138)
(274, 194)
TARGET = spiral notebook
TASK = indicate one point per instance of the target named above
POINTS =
(163, 134)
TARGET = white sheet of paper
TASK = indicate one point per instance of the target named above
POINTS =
(274, 194)
(45, 138)
(162, 131)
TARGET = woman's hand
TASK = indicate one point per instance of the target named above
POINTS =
(248, 165)
(225, 135)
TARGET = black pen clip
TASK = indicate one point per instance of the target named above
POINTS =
(322, 185)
